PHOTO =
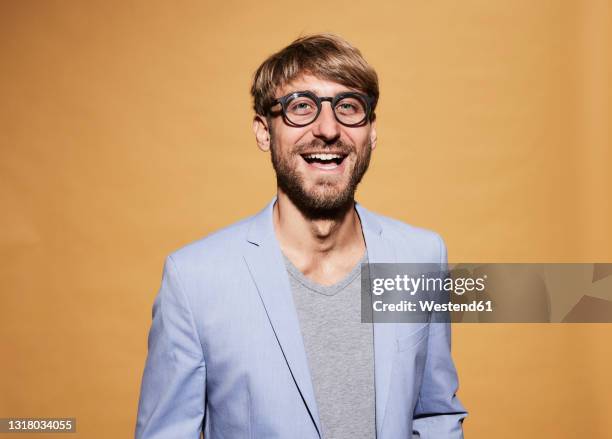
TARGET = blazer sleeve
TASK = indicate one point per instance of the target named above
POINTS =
(172, 393)
(438, 412)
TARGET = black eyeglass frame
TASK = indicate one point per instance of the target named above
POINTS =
(333, 100)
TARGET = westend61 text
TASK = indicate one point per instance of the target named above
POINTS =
(433, 306)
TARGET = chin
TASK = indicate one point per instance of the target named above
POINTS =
(324, 200)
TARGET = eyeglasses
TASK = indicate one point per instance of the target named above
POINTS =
(302, 108)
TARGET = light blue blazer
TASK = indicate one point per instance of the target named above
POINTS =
(226, 354)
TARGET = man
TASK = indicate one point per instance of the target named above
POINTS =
(256, 329)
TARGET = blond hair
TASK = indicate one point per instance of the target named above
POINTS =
(325, 56)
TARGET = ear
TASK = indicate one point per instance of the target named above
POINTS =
(262, 132)
(373, 136)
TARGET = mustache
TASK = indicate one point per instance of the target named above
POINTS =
(338, 147)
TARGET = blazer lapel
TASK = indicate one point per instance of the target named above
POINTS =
(379, 250)
(266, 265)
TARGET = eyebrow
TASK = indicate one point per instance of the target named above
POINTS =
(318, 94)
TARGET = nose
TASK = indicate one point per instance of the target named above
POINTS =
(326, 127)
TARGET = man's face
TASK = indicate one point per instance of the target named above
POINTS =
(319, 184)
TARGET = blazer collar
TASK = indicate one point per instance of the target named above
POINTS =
(261, 230)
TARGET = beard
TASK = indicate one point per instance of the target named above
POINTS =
(325, 200)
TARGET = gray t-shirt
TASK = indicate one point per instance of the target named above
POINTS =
(340, 352)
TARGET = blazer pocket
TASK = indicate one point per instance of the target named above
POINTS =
(409, 341)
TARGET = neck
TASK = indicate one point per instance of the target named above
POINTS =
(317, 237)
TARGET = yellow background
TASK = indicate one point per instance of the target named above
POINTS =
(125, 134)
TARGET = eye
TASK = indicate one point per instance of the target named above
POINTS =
(301, 106)
(350, 106)
(346, 107)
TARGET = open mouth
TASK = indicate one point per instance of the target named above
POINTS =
(326, 161)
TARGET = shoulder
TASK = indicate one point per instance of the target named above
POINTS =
(401, 230)
(410, 242)
(217, 249)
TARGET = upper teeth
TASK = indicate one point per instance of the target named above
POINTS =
(323, 156)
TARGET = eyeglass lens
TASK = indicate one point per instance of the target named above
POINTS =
(301, 110)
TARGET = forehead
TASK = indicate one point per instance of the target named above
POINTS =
(321, 87)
